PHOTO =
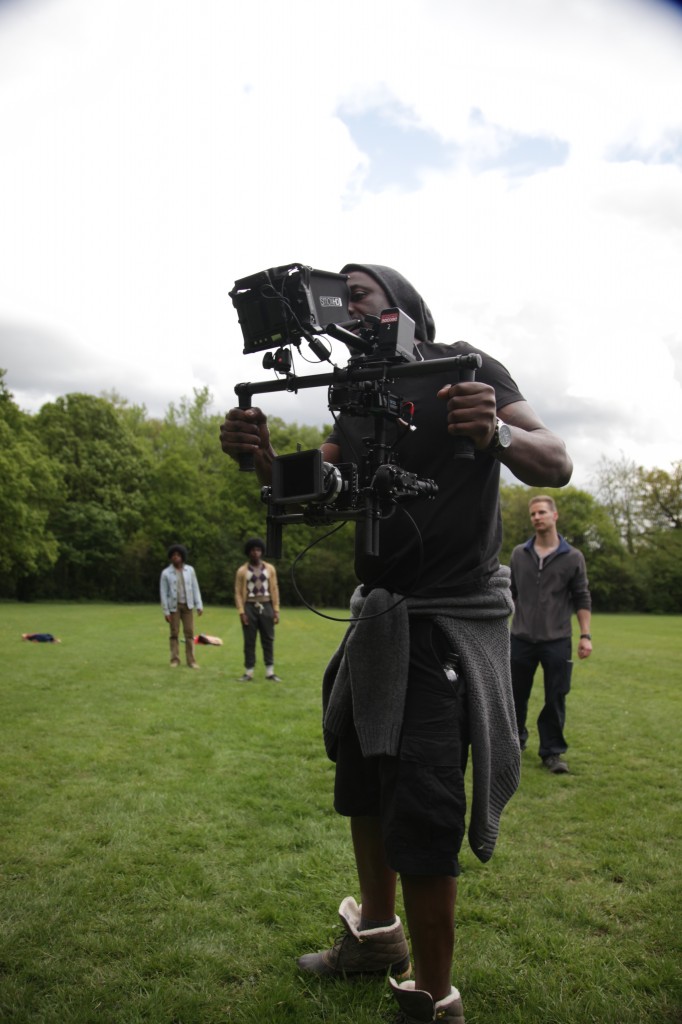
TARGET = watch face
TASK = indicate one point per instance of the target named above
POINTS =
(504, 435)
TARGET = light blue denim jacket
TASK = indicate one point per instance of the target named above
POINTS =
(169, 589)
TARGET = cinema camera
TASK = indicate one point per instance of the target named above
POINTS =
(277, 309)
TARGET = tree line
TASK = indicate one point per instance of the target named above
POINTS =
(94, 491)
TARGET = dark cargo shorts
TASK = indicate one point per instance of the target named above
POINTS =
(419, 794)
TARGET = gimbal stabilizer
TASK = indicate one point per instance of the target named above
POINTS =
(277, 308)
(331, 493)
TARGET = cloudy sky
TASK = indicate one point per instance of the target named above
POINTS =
(520, 162)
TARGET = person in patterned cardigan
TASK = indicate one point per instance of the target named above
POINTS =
(256, 595)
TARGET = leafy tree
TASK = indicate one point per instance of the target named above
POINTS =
(659, 567)
(646, 506)
(31, 488)
(659, 550)
(95, 491)
(197, 497)
(660, 498)
(619, 491)
(104, 470)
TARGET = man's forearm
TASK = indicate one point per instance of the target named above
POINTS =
(584, 617)
(274, 591)
(537, 457)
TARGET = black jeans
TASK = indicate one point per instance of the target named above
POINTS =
(262, 622)
(555, 658)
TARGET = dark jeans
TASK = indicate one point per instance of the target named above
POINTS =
(262, 622)
(555, 658)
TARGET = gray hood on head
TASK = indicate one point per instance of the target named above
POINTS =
(402, 294)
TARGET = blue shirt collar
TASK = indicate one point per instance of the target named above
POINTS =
(564, 546)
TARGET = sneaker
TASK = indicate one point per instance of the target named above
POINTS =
(355, 952)
(273, 678)
(246, 678)
(417, 1007)
(193, 666)
(555, 764)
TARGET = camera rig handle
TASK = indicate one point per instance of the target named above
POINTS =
(463, 367)
(464, 447)
(246, 462)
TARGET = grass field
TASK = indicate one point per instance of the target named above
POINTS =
(168, 846)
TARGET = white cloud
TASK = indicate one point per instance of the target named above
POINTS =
(153, 153)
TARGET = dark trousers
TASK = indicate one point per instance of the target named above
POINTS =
(555, 658)
(260, 622)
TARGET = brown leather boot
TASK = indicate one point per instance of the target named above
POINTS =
(418, 1007)
(373, 951)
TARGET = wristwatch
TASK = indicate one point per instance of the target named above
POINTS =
(501, 439)
(585, 636)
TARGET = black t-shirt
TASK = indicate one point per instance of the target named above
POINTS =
(460, 529)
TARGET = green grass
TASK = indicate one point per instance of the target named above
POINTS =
(168, 845)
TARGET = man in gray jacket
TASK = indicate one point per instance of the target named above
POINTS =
(549, 583)
(180, 595)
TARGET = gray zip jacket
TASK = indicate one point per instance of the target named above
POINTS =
(545, 596)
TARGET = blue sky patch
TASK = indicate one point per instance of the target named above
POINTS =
(517, 155)
(398, 149)
(668, 151)
(520, 156)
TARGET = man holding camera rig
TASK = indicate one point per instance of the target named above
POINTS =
(423, 672)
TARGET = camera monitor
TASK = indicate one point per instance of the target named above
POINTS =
(280, 306)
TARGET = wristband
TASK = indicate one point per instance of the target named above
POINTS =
(585, 636)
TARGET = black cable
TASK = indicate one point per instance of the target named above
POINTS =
(349, 441)
(327, 358)
(282, 298)
(294, 316)
(330, 533)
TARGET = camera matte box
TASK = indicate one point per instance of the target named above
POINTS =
(298, 477)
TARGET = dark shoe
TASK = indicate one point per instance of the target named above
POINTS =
(273, 678)
(418, 1007)
(246, 678)
(373, 951)
(555, 764)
